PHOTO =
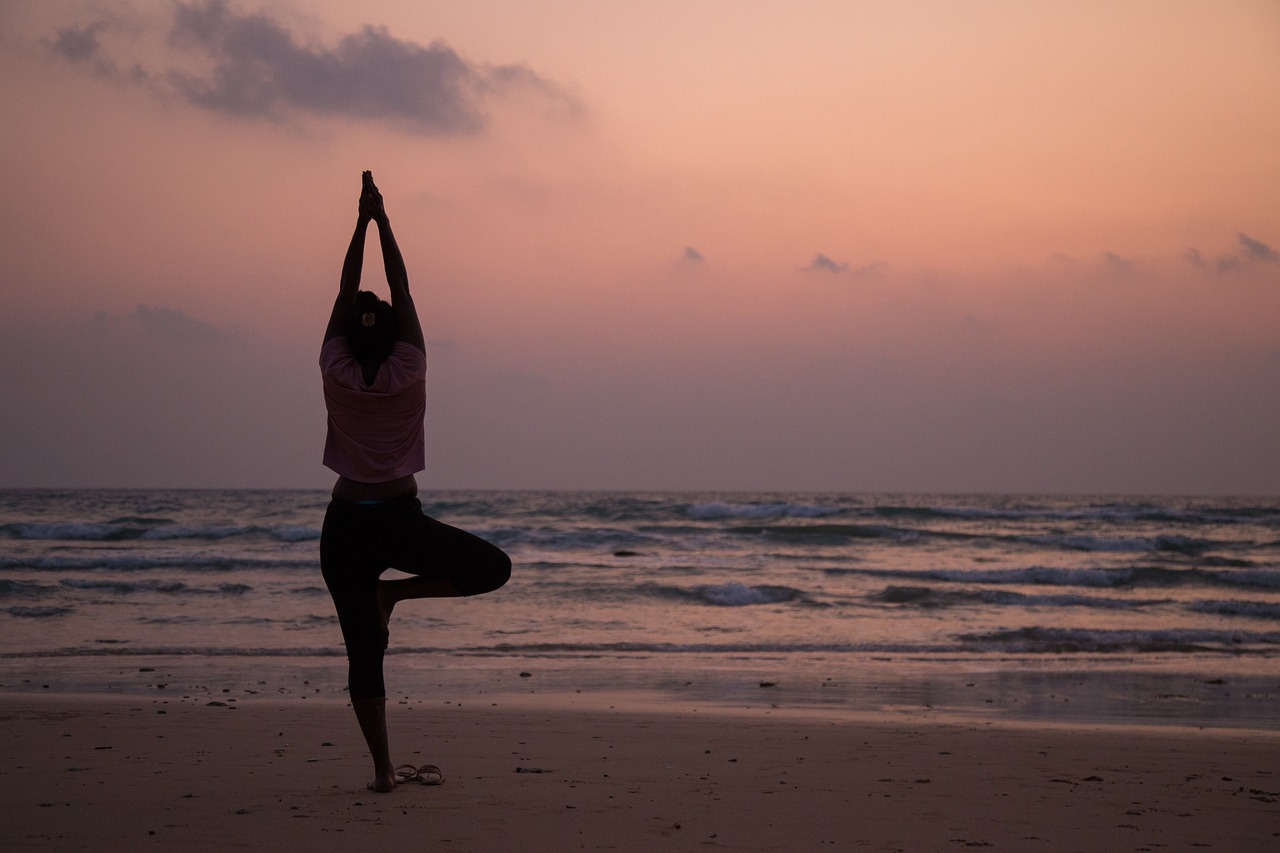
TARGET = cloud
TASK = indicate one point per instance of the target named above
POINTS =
(254, 67)
(1257, 249)
(153, 324)
(1116, 263)
(693, 256)
(80, 44)
(174, 324)
(821, 263)
(1226, 263)
(1229, 262)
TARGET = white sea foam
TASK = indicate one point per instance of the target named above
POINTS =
(734, 594)
(295, 533)
(183, 532)
(716, 510)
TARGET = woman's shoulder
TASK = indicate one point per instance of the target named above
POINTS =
(334, 351)
(408, 353)
(406, 365)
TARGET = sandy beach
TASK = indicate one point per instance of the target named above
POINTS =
(131, 773)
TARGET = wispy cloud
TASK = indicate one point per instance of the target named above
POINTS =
(154, 323)
(1228, 262)
(253, 66)
(1116, 263)
(1257, 250)
(80, 44)
(173, 324)
(822, 263)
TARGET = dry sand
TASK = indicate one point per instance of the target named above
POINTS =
(95, 773)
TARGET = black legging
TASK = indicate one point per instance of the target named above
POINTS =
(360, 541)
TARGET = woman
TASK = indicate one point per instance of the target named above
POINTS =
(373, 368)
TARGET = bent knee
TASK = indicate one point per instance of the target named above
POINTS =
(492, 574)
(503, 574)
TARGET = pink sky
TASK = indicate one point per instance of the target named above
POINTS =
(853, 246)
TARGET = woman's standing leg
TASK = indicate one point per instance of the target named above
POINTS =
(351, 563)
(371, 714)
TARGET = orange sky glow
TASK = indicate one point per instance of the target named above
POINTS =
(851, 246)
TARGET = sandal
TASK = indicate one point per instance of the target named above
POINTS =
(429, 774)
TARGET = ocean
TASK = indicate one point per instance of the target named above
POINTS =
(1130, 610)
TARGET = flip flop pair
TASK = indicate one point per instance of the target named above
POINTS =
(427, 774)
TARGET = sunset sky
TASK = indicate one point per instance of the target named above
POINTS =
(836, 246)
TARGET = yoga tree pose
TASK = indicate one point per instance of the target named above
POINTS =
(373, 368)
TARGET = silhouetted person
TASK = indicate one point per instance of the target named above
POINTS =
(373, 367)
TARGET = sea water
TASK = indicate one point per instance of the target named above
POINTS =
(1149, 609)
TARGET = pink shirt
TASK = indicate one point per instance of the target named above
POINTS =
(375, 431)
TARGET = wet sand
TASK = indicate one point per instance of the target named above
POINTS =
(128, 773)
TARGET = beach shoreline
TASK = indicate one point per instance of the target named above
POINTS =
(541, 773)
(1237, 693)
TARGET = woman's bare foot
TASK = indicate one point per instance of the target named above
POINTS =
(383, 784)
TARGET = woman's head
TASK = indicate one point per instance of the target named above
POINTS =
(371, 328)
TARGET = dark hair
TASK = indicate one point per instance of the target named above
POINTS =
(371, 328)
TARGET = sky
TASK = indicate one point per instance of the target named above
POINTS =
(847, 246)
